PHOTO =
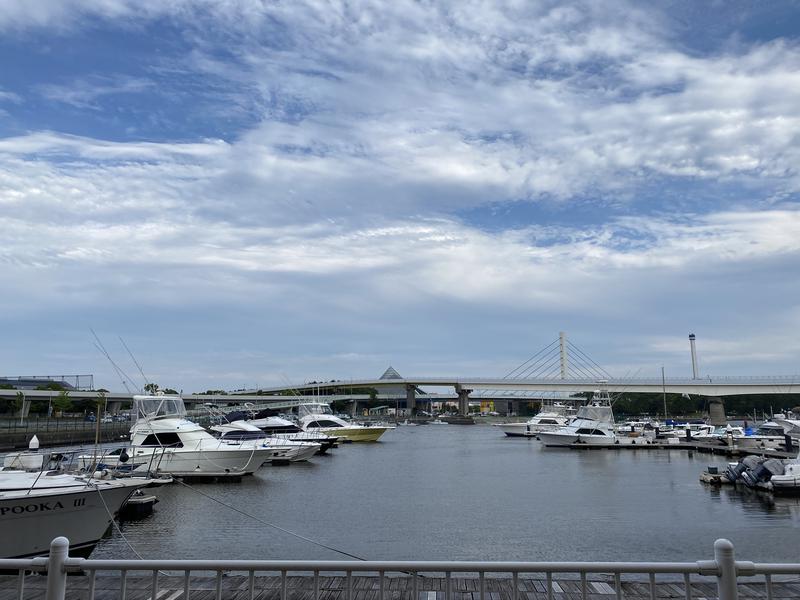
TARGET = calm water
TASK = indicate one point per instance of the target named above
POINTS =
(460, 492)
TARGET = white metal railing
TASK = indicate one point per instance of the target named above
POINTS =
(724, 568)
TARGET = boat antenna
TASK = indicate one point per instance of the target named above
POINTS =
(619, 394)
(120, 373)
(133, 358)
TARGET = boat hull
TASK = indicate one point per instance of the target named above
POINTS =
(783, 484)
(555, 439)
(29, 523)
(201, 463)
(524, 429)
(357, 434)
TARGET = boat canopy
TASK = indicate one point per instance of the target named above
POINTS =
(595, 412)
(557, 408)
(314, 408)
(158, 407)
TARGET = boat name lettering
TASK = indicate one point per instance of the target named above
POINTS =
(30, 508)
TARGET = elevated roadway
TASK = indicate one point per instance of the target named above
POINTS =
(708, 386)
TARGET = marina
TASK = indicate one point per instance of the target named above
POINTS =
(469, 512)
(324, 300)
(465, 493)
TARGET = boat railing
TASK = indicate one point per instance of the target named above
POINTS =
(164, 576)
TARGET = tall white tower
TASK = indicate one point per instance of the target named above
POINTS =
(694, 356)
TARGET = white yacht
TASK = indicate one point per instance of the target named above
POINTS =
(318, 417)
(723, 435)
(791, 425)
(36, 507)
(273, 426)
(286, 450)
(34, 459)
(163, 440)
(789, 481)
(278, 427)
(549, 418)
(767, 435)
(683, 431)
(594, 424)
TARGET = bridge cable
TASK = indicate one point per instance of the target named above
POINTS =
(510, 373)
(540, 365)
(602, 370)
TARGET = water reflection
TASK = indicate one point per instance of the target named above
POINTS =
(758, 505)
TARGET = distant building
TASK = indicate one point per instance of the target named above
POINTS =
(68, 382)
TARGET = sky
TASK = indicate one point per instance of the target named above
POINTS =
(248, 193)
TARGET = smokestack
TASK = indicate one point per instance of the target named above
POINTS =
(694, 356)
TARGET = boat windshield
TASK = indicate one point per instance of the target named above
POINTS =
(314, 409)
(769, 430)
(556, 408)
(596, 413)
(154, 407)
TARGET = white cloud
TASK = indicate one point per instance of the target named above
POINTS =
(10, 97)
(83, 93)
(376, 123)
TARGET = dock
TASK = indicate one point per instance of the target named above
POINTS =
(731, 451)
(237, 587)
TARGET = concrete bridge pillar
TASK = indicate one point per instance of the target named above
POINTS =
(716, 411)
(463, 400)
(411, 400)
(25, 409)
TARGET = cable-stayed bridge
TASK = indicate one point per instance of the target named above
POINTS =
(560, 368)
(563, 368)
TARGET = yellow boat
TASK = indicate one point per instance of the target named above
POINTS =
(318, 417)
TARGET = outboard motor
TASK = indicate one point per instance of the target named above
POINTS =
(763, 472)
(734, 472)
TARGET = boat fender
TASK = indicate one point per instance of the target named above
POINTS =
(616, 441)
(633, 442)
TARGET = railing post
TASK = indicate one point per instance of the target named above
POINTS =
(726, 580)
(56, 574)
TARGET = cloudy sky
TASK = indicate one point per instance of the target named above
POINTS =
(248, 192)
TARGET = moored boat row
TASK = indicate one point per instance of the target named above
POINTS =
(40, 501)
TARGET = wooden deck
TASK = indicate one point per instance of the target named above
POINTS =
(236, 587)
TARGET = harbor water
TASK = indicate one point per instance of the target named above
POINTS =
(448, 492)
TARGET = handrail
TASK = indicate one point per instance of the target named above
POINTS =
(699, 567)
(723, 567)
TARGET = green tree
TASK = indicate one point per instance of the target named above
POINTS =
(62, 402)
(101, 400)
(52, 386)
(151, 388)
(18, 402)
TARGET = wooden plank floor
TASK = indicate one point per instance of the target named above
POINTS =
(236, 587)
